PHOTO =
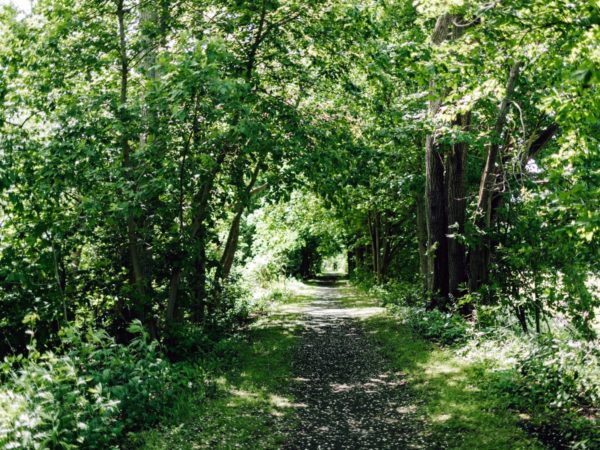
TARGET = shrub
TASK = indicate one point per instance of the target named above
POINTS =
(186, 341)
(401, 294)
(445, 328)
(564, 374)
(233, 307)
(88, 395)
(560, 380)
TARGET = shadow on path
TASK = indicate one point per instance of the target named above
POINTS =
(345, 397)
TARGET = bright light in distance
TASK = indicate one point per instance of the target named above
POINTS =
(21, 5)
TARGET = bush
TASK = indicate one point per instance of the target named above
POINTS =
(445, 328)
(90, 395)
(233, 308)
(263, 269)
(563, 374)
(401, 294)
(186, 341)
(560, 383)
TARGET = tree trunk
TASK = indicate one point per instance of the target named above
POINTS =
(435, 193)
(231, 245)
(198, 224)
(178, 258)
(457, 203)
(351, 261)
(437, 224)
(374, 231)
(141, 306)
(360, 258)
(486, 184)
(228, 256)
(422, 242)
(479, 257)
(149, 29)
(522, 316)
(305, 262)
(199, 299)
(173, 294)
(199, 237)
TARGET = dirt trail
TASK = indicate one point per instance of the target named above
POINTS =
(345, 397)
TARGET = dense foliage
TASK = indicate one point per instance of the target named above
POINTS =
(157, 158)
(90, 393)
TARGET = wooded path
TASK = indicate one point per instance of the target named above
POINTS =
(345, 396)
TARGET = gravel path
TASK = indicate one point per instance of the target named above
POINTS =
(345, 397)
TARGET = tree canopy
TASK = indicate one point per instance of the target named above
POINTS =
(152, 151)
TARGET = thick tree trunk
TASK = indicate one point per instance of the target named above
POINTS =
(351, 261)
(437, 224)
(435, 193)
(361, 252)
(457, 203)
(149, 28)
(480, 255)
(172, 304)
(305, 263)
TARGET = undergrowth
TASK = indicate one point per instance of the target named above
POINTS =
(248, 405)
(547, 383)
(93, 392)
(90, 393)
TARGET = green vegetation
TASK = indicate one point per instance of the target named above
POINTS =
(485, 386)
(91, 393)
(249, 404)
(461, 403)
(167, 167)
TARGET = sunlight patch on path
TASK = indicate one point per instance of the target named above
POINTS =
(351, 400)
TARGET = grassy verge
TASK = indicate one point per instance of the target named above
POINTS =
(246, 404)
(460, 403)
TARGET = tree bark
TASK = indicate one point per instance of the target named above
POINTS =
(435, 193)
(199, 237)
(137, 271)
(199, 222)
(542, 140)
(457, 203)
(351, 261)
(172, 304)
(179, 253)
(228, 256)
(486, 184)
(437, 224)
(374, 232)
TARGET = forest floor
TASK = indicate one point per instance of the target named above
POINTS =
(330, 369)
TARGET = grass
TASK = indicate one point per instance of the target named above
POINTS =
(247, 402)
(247, 405)
(459, 401)
(456, 395)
